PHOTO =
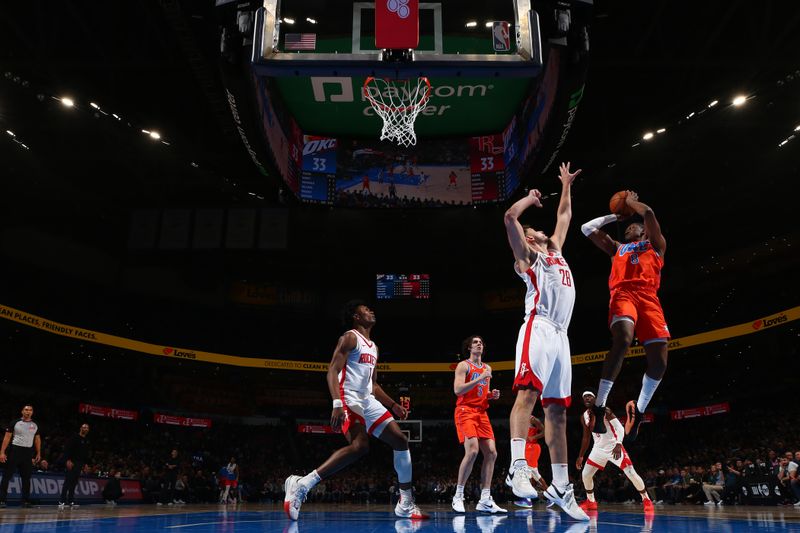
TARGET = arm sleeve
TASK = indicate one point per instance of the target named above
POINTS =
(620, 431)
(597, 223)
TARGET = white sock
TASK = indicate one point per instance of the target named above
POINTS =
(405, 496)
(590, 495)
(536, 475)
(649, 386)
(310, 481)
(517, 452)
(460, 491)
(602, 392)
(485, 494)
(402, 465)
(560, 475)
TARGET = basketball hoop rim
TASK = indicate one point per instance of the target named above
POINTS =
(392, 109)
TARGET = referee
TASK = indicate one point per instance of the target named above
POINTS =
(24, 451)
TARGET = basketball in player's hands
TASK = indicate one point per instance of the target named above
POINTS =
(618, 206)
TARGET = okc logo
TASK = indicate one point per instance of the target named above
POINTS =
(398, 6)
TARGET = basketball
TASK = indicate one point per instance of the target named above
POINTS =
(618, 206)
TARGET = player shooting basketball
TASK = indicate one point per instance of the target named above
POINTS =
(634, 307)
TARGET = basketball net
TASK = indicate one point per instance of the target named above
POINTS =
(397, 102)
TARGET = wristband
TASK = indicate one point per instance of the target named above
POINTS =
(337, 404)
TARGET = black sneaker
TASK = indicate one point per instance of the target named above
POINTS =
(635, 417)
(599, 419)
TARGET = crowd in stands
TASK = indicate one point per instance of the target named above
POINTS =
(700, 461)
(368, 199)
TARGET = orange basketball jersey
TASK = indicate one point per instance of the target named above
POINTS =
(636, 264)
(478, 396)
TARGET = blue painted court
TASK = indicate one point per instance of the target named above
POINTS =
(379, 519)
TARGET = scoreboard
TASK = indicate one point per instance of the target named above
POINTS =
(403, 286)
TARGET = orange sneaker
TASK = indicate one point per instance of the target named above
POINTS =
(586, 505)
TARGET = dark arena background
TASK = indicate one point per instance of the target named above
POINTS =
(192, 189)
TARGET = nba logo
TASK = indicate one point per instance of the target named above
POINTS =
(500, 36)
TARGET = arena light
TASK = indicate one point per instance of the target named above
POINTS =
(661, 130)
(67, 102)
(797, 128)
(312, 21)
(489, 24)
(647, 136)
(10, 133)
(94, 105)
(739, 100)
(147, 132)
(471, 24)
(155, 135)
(115, 116)
(288, 20)
(713, 103)
(690, 115)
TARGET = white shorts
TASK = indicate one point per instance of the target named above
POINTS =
(365, 410)
(600, 456)
(543, 361)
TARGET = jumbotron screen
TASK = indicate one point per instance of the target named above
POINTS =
(404, 287)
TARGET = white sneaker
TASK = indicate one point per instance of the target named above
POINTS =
(720, 503)
(458, 504)
(709, 503)
(487, 524)
(566, 500)
(61, 506)
(296, 494)
(405, 525)
(488, 506)
(159, 504)
(519, 479)
(409, 510)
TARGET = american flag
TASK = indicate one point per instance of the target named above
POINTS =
(300, 41)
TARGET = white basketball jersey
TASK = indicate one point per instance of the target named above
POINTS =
(604, 441)
(356, 376)
(551, 289)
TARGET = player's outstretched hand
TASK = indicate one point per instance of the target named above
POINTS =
(399, 411)
(631, 197)
(337, 417)
(495, 394)
(564, 174)
(536, 196)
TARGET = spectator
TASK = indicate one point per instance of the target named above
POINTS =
(733, 480)
(715, 484)
(113, 489)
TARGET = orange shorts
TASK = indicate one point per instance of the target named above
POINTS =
(644, 308)
(532, 452)
(471, 422)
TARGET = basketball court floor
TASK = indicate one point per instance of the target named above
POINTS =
(379, 519)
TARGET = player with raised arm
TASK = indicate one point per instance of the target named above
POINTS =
(607, 448)
(360, 410)
(472, 387)
(543, 367)
(634, 307)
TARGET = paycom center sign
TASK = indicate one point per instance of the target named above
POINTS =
(457, 106)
